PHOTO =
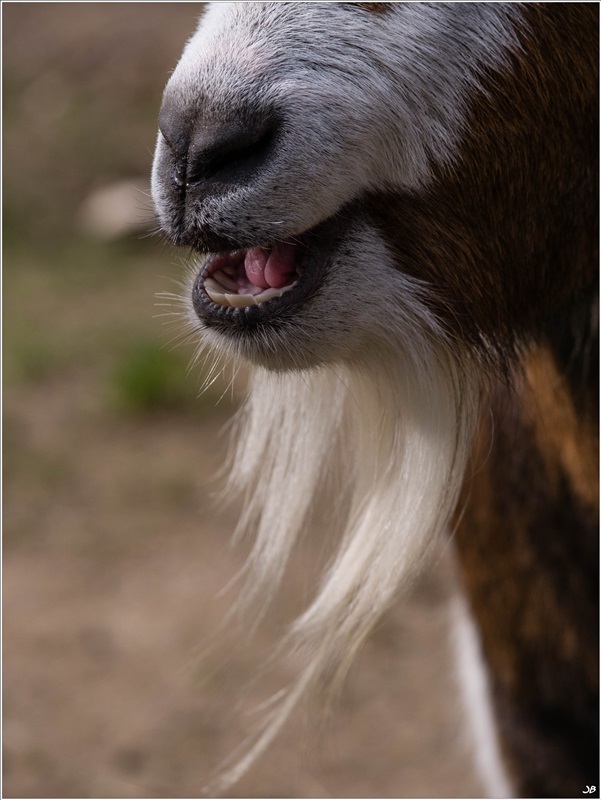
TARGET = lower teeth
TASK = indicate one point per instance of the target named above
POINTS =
(222, 298)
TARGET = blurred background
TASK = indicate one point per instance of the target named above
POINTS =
(114, 549)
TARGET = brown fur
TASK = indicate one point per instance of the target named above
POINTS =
(528, 551)
(374, 8)
(509, 239)
(567, 442)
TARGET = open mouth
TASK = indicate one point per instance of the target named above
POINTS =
(267, 284)
(244, 278)
(255, 280)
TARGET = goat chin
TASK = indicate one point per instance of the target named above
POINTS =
(392, 426)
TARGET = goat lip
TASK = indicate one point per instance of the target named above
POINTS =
(315, 248)
(270, 304)
(286, 283)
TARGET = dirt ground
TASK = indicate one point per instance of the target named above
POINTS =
(115, 551)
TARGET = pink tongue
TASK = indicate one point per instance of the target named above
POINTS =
(270, 267)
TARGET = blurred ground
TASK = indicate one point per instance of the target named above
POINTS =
(114, 553)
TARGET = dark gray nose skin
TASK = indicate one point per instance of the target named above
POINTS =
(222, 152)
(206, 155)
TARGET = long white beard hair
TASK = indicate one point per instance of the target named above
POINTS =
(393, 427)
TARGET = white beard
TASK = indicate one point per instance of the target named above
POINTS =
(392, 429)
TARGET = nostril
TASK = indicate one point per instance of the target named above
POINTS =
(206, 147)
(232, 154)
(179, 173)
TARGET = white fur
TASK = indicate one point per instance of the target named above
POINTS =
(475, 690)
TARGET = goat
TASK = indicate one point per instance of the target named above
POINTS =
(396, 205)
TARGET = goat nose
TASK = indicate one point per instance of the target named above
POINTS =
(225, 152)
